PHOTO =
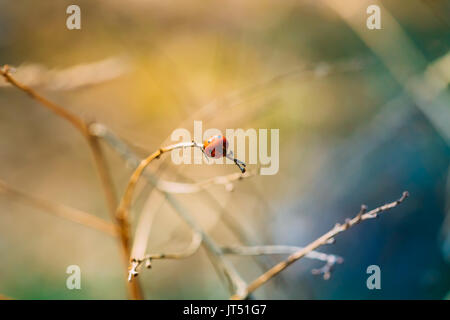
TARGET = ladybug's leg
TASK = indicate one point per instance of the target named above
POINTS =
(241, 165)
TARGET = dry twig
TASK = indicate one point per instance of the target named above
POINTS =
(183, 188)
(189, 251)
(60, 210)
(324, 239)
(330, 259)
(125, 202)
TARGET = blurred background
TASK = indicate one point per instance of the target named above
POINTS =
(363, 115)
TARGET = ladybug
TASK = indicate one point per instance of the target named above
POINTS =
(216, 147)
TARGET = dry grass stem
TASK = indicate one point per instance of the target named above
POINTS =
(125, 202)
(183, 188)
(324, 239)
(189, 251)
(330, 259)
(60, 210)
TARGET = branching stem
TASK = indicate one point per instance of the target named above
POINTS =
(324, 239)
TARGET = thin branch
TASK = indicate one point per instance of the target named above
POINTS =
(125, 202)
(189, 251)
(184, 188)
(73, 77)
(100, 161)
(60, 111)
(79, 124)
(60, 210)
(330, 259)
(144, 224)
(103, 172)
(324, 239)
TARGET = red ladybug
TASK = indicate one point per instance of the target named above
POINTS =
(216, 147)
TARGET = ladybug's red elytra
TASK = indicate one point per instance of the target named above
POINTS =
(216, 146)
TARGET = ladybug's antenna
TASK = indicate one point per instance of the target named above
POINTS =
(204, 153)
(202, 148)
(241, 165)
